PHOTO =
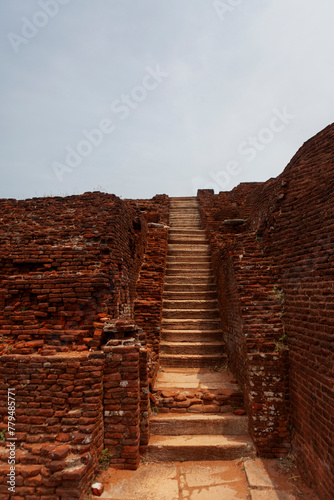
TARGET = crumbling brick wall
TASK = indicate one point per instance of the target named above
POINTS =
(126, 394)
(58, 423)
(294, 217)
(69, 267)
(251, 312)
(148, 303)
(289, 232)
(66, 263)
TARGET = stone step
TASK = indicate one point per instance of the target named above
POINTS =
(195, 287)
(187, 240)
(176, 199)
(196, 248)
(185, 314)
(190, 348)
(191, 335)
(190, 278)
(187, 232)
(184, 210)
(189, 272)
(190, 304)
(172, 424)
(181, 260)
(198, 447)
(185, 217)
(189, 250)
(184, 295)
(191, 324)
(191, 360)
(194, 379)
(181, 233)
(185, 223)
(189, 281)
(182, 204)
(180, 225)
(195, 260)
(184, 213)
(187, 267)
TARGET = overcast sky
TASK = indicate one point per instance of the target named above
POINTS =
(138, 97)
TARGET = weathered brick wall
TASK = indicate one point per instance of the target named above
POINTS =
(121, 403)
(251, 313)
(65, 264)
(69, 408)
(69, 267)
(294, 217)
(148, 303)
(284, 251)
(58, 426)
(126, 392)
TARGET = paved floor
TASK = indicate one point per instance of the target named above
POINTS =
(218, 480)
(193, 378)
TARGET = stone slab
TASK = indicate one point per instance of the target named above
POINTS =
(193, 378)
(271, 495)
(207, 480)
(175, 481)
(257, 475)
(150, 482)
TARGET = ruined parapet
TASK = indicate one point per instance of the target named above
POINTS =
(126, 392)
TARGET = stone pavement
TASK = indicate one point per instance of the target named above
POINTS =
(215, 480)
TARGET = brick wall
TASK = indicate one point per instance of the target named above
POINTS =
(148, 303)
(121, 403)
(65, 264)
(294, 216)
(69, 408)
(251, 312)
(127, 396)
(58, 426)
(278, 269)
(69, 270)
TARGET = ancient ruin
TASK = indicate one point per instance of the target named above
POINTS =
(199, 327)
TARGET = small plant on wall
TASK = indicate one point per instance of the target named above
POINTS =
(105, 458)
(277, 294)
(281, 345)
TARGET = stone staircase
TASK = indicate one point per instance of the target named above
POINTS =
(197, 405)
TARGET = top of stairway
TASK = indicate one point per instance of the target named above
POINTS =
(183, 198)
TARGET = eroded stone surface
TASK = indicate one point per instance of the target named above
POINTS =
(257, 475)
(214, 480)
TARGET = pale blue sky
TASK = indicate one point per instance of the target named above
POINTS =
(240, 89)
